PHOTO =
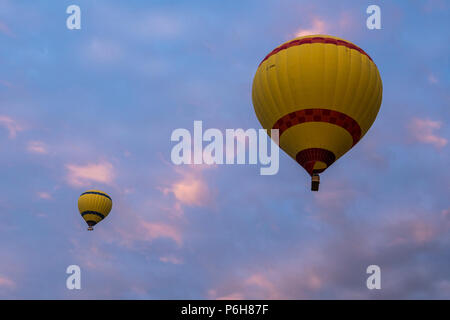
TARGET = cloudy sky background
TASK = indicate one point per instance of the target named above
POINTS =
(95, 108)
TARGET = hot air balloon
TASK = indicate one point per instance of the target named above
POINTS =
(322, 93)
(94, 206)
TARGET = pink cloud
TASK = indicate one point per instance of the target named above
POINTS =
(170, 259)
(190, 190)
(11, 125)
(432, 79)
(7, 283)
(318, 27)
(255, 286)
(422, 130)
(334, 196)
(6, 83)
(347, 22)
(414, 229)
(93, 257)
(314, 281)
(6, 30)
(212, 294)
(154, 230)
(37, 147)
(79, 176)
(423, 232)
(138, 230)
(259, 280)
(232, 296)
(138, 224)
(418, 239)
(44, 195)
(308, 274)
(264, 284)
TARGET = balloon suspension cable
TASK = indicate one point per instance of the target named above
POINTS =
(315, 181)
(90, 228)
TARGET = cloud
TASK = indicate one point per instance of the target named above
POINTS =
(334, 196)
(288, 279)
(318, 27)
(7, 283)
(11, 125)
(414, 231)
(422, 130)
(191, 189)
(103, 51)
(432, 79)
(435, 5)
(403, 245)
(79, 176)
(37, 147)
(137, 234)
(257, 285)
(137, 227)
(6, 30)
(333, 200)
(232, 296)
(170, 259)
(142, 23)
(212, 294)
(345, 22)
(6, 84)
(446, 212)
(154, 230)
(159, 25)
(261, 281)
(44, 195)
(93, 257)
(348, 22)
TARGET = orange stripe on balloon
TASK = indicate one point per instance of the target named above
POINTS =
(298, 42)
(319, 115)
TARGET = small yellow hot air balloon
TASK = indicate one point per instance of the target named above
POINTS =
(322, 93)
(94, 206)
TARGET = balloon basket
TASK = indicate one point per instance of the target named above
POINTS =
(315, 181)
(90, 228)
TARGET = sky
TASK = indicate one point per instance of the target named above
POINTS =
(95, 108)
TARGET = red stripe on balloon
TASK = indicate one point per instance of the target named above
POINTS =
(319, 115)
(298, 42)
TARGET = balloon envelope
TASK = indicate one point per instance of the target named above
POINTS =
(94, 206)
(322, 93)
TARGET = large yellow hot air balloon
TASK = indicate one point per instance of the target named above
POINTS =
(322, 93)
(94, 206)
